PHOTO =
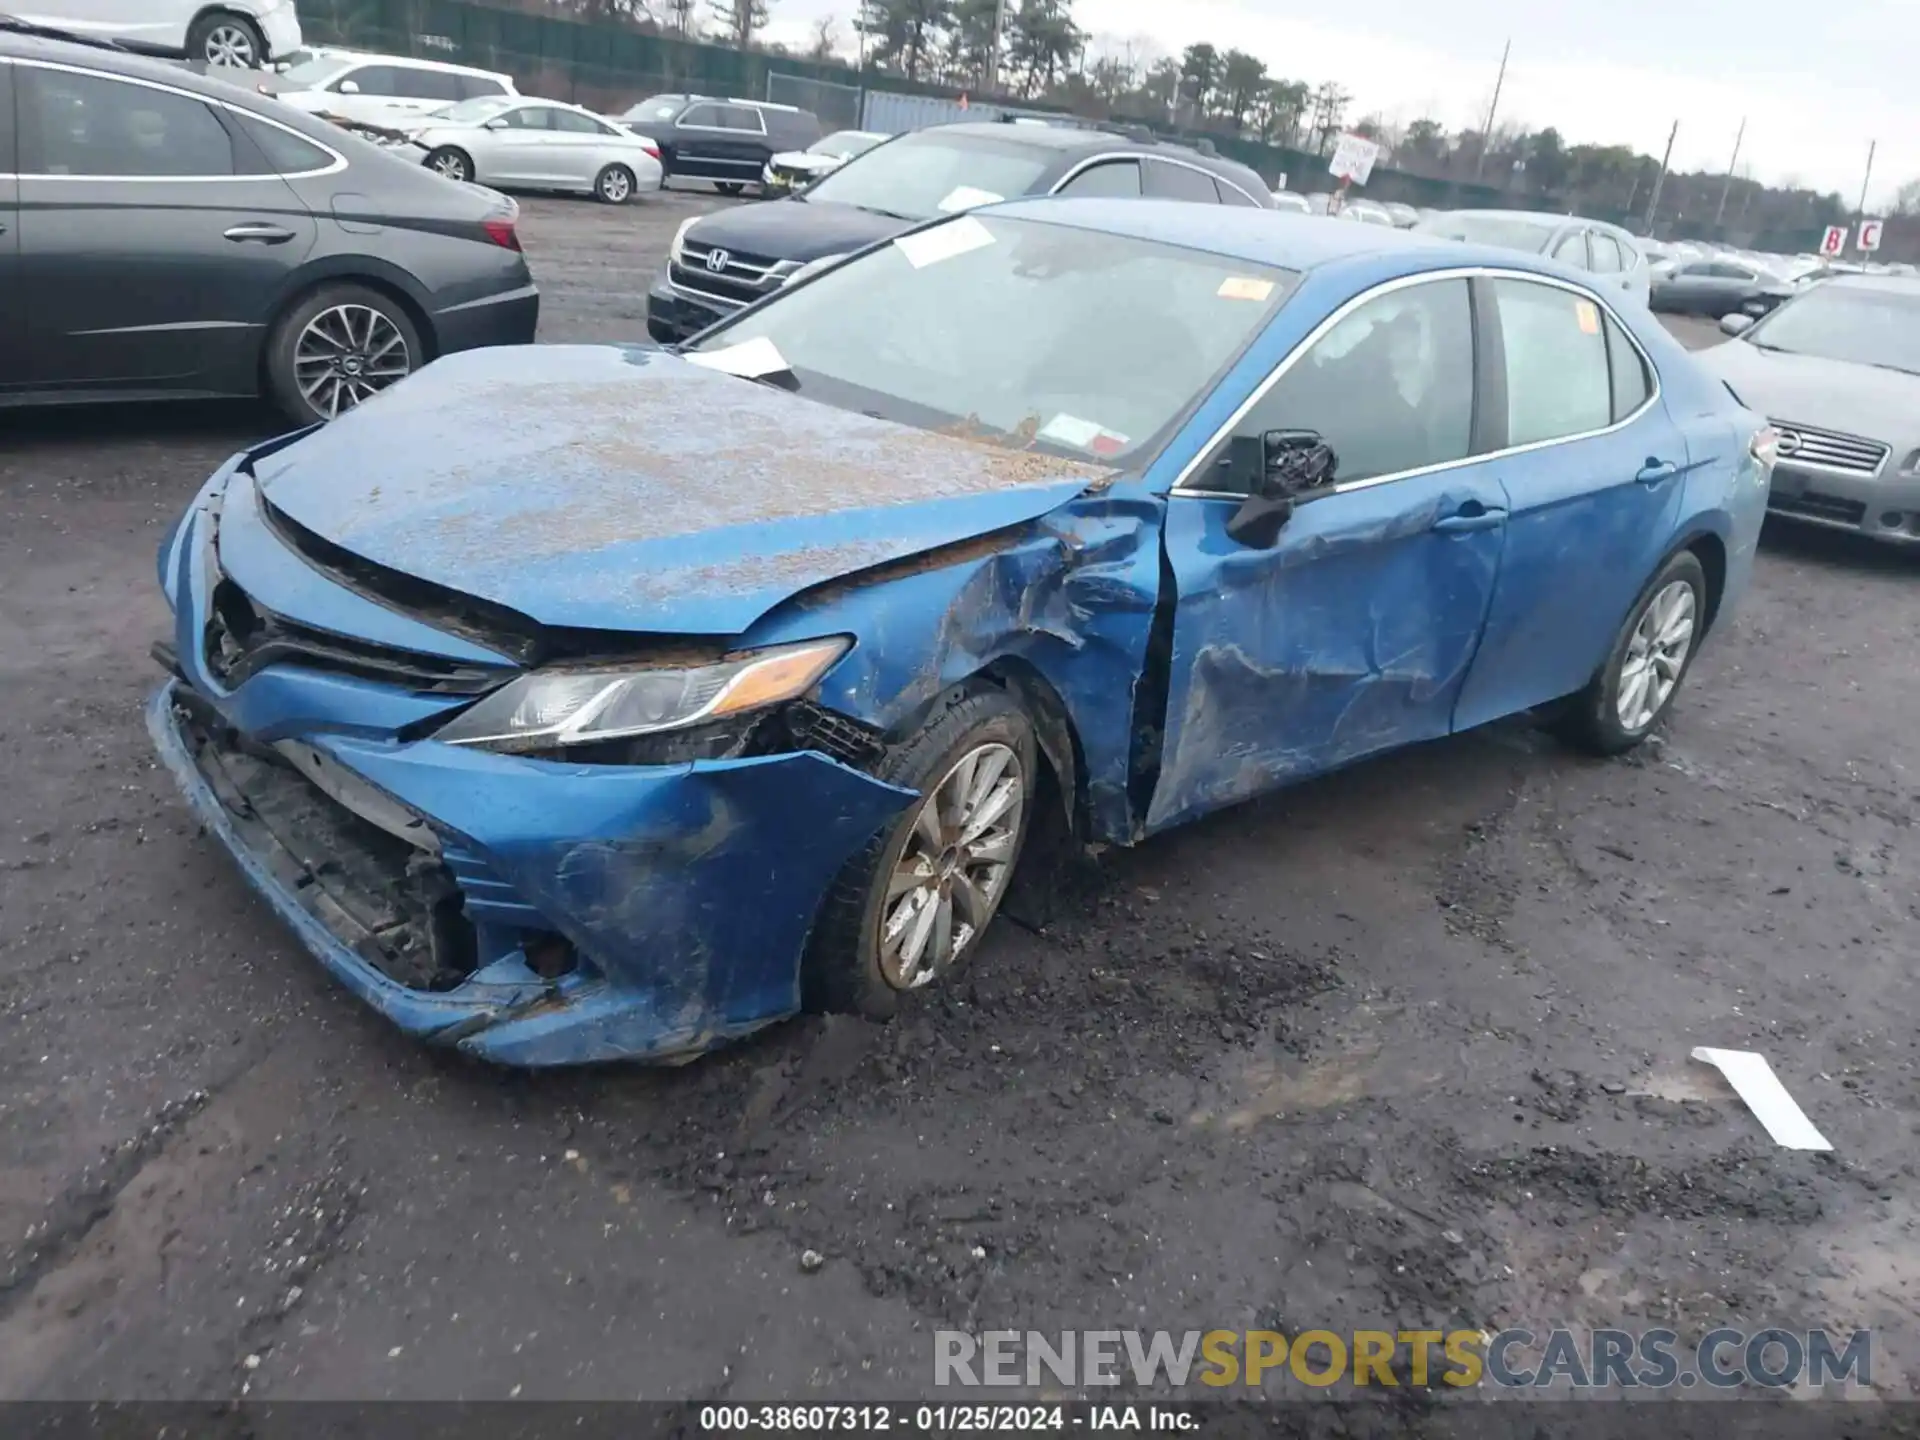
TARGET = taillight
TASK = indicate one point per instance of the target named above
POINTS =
(651, 149)
(502, 233)
(1765, 445)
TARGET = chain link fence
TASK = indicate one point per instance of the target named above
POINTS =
(838, 106)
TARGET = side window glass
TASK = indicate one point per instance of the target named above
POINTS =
(1606, 254)
(1177, 182)
(742, 117)
(74, 124)
(472, 87)
(1572, 250)
(285, 152)
(536, 117)
(708, 115)
(430, 84)
(369, 80)
(575, 124)
(1390, 388)
(1558, 381)
(1231, 194)
(1116, 177)
(1631, 386)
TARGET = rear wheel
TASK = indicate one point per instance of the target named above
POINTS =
(232, 42)
(340, 346)
(452, 162)
(1631, 695)
(912, 906)
(613, 185)
(728, 187)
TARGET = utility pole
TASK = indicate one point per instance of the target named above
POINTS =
(1727, 189)
(1486, 131)
(1868, 180)
(1660, 180)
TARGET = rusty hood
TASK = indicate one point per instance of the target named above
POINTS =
(622, 488)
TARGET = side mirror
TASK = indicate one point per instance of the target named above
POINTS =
(495, 124)
(1279, 467)
(1735, 324)
(349, 87)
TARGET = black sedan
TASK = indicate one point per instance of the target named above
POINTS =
(169, 234)
(720, 262)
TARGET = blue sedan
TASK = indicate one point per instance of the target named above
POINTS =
(596, 702)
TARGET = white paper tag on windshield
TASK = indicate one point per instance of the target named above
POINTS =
(965, 197)
(750, 359)
(1071, 430)
(943, 242)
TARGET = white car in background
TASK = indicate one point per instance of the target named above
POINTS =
(245, 34)
(395, 92)
(1291, 201)
(537, 145)
(795, 169)
(1606, 252)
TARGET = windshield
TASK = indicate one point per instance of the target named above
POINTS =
(1847, 322)
(1509, 232)
(845, 144)
(926, 174)
(469, 112)
(312, 74)
(1075, 341)
(660, 107)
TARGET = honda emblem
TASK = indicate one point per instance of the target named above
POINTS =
(718, 260)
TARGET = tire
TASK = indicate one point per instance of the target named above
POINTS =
(452, 162)
(343, 323)
(227, 40)
(728, 187)
(1593, 719)
(847, 968)
(614, 185)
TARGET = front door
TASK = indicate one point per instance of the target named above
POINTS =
(146, 260)
(1353, 632)
(720, 142)
(1593, 478)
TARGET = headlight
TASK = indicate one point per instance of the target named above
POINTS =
(576, 707)
(680, 239)
(812, 268)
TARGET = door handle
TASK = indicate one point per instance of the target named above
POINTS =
(265, 234)
(1655, 472)
(1470, 517)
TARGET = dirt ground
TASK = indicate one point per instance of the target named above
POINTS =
(1405, 1046)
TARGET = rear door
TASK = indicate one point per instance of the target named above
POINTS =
(579, 142)
(1592, 466)
(151, 247)
(721, 142)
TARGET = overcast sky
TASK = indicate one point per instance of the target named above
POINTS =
(1815, 83)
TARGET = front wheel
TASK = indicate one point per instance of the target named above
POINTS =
(231, 42)
(1631, 695)
(340, 346)
(613, 185)
(912, 906)
(728, 187)
(451, 162)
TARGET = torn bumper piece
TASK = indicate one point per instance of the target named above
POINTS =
(532, 912)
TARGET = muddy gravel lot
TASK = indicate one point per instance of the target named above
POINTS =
(1404, 1047)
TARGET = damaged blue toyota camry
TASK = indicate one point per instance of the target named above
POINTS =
(589, 702)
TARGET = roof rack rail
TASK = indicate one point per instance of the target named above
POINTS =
(1206, 147)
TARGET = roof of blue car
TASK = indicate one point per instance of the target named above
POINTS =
(1281, 238)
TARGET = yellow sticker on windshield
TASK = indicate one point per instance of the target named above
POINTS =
(1245, 287)
(1589, 314)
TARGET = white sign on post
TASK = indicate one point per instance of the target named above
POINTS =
(1834, 241)
(1870, 234)
(1353, 159)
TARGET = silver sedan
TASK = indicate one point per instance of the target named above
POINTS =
(524, 144)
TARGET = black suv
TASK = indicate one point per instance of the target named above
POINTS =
(731, 258)
(726, 141)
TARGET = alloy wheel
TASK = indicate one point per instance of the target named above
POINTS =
(615, 186)
(1656, 654)
(955, 866)
(451, 166)
(347, 354)
(230, 45)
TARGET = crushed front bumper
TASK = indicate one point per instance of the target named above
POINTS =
(674, 316)
(528, 911)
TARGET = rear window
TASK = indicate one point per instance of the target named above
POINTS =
(1509, 232)
(284, 152)
(659, 107)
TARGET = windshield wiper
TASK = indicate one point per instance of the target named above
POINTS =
(890, 214)
(1762, 345)
(1888, 365)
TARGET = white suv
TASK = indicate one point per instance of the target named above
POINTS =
(390, 90)
(248, 34)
